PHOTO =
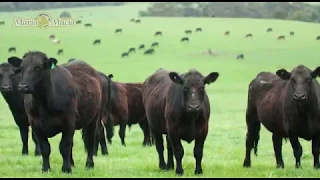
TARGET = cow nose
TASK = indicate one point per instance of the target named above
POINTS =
(23, 86)
(193, 106)
(6, 88)
(299, 96)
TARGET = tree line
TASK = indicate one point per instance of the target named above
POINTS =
(23, 6)
(267, 10)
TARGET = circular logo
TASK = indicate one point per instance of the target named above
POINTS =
(43, 20)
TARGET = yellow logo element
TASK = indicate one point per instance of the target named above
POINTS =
(44, 21)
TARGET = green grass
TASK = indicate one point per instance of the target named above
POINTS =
(224, 148)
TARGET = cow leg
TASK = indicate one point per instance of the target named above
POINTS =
(297, 149)
(315, 152)
(253, 130)
(71, 156)
(277, 146)
(45, 149)
(24, 133)
(66, 148)
(160, 148)
(170, 164)
(37, 150)
(178, 152)
(89, 135)
(146, 133)
(122, 133)
(198, 153)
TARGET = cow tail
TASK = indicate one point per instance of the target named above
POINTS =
(110, 129)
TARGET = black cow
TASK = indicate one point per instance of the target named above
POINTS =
(149, 51)
(199, 30)
(269, 30)
(240, 56)
(158, 33)
(60, 99)
(118, 31)
(288, 105)
(79, 22)
(60, 51)
(138, 21)
(9, 89)
(97, 41)
(188, 31)
(125, 54)
(249, 35)
(12, 49)
(178, 106)
(88, 25)
(132, 50)
(318, 38)
(184, 39)
(141, 46)
(2, 23)
(155, 44)
(291, 33)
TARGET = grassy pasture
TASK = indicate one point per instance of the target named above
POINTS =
(225, 145)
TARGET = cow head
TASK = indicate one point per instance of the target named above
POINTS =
(34, 67)
(301, 79)
(193, 87)
(8, 80)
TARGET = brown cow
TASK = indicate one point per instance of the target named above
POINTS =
(62, 99)
(287, 104)
(127, 109)
(178, 105)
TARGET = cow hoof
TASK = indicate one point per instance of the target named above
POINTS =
(179, 172)
(298, 165)
(89, 165)
(45, 170)
(246, 164)
(66, 170)
(317, 167)
(198, 171)
(163, 166)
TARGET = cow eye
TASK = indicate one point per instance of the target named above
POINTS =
(12, 76)
(36, 69)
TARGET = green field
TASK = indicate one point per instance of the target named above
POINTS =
(224, 148)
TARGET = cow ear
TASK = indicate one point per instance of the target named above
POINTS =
(175, 78)
(14, 61)
(52, 62)
(283, 74)
(316, 73)
(110, 76)
(212, 77)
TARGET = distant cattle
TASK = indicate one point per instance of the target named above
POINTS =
(60, 51)
(141, 46)
(291, 33)
(155, 44)
(318, 38)
(138, 21)
(178, 105)
(132, 20)
(149, 51)
(125, 54)
(269, 30)
(97, 41)
(240, 56)
(12, 49)
(287, 104)
(158, 33)
(227, 33)
(60, 99)
(132, 50)
(188, 31)
(118, 30)
(9, 89)
(79, 22)
(52, 36)
(184, 39)
(2, 23)
(199, 30)
(55, 41)
(127, 109)
(249, 35)
(281, 38)
(88, 25)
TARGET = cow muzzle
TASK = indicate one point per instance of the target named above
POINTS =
(193, 107)
(6, 89)
(299, 96)
(24, 88)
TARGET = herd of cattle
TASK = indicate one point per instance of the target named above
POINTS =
(55, 99)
